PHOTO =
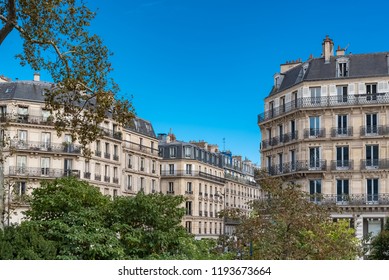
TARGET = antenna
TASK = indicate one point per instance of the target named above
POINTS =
(345, 49)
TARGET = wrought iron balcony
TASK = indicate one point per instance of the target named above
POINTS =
(45, 146)
(314, 132)
(278, 140)
(184, 173)
(107, 179)
(373, 130)
(87, 175)
(115, 180)
(357, 199)
(97, 177)
(371, 164)
(324, 102)
(116, 157)
(42, 172)
(98, 153)
(342, 165)
(107, 155)
(298, 166)
(137, 147)
(28, 119)
(341, 131)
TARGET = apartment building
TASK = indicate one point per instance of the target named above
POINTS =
(124, 160)
(326, 127)
(209, 180)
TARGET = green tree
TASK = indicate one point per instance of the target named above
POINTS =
(72, 214)
(380, 245)
(286, 225)
(25, 242)
(56, 39)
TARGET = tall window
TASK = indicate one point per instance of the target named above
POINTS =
(68, 166)
(342, 69)
(342, 157)
(45, 166)
(294, 99)
(371, 124)
(171, 169)
(171, 188)
(188, 169)
(188, 151)
(153, 166)
(281, 132)
(342, 190)
(46, 140)
(20, 188)
(315, 95)
(129, 161)
(142, 164)
(283, 104)
(129, 182)
(271, 109)
(293, 129)
(173, 152)
(280, 162)
(189, 188)
(314, 126)
(142, 184)
(293, 160)
(153, 186)
(372, 156)
(371, 92)
(341, 128)
(372, 190)
(342, 93)
(315, 190)
(314, 157)
(188, 208)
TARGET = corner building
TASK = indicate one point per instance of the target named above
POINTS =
(124, 161)
(326, 127)
(209, 180)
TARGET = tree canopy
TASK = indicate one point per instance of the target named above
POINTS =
(379, 249)
(71, 219)
(287, 225)
(56, 39)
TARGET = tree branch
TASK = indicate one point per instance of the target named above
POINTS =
(9, 22)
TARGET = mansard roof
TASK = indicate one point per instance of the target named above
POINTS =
(360, 66)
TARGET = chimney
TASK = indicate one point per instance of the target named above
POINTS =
(37, 77)
(328, 49)
(340, 51)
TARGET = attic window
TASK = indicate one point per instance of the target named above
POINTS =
(342, 68)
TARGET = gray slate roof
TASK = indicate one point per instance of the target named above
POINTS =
(34, 91)
(362, 65)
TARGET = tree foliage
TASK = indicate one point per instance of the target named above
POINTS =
(79, 222)
(286, 225)
(56, 38)
(380, 245)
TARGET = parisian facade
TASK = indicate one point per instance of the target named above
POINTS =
(124, 160)
(326, 128)
(210, 180)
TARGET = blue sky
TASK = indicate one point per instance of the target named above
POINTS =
(203, 67)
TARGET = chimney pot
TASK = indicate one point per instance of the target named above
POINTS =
(37, 77)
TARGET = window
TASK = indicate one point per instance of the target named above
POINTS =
(293, 129)
(199, 227)
(342, 191)
(21, 163)
(129, 161)
(152, 147)
(171, 169)
(98, 148)
(153, 166)
(314, 158)
(372, 190)
(115, 175)
(294, 99)
(87, 169)
(45, 166)
(20, 188)
(371, 92)
(315, 95)
(315, 190)
(342, 123)
(129, 182)
(22, 139)
(371, 124)
(68, 166)
(342, 68)
(188, 169)
(188, 226)
(271, 109)
(269, 163)
(281, 133)
(188, 151)
(97, 172)
(342, 93)
(283, 104)
(107, 151)
(189, 188)
(45, 115)
(115, 152)
(3, 112)
(46, 140)
(106, 174)
(171, 188)
(173, 152)
(280, 162)
(188, 208)
(142, 184)
(372, 156)
(293, 160)
(142, 164)
(342, 157)
(314, 126)
(153, 190)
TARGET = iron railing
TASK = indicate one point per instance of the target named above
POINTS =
(283, 139)
(341, 131)
(369, 164)
(342, 165)
(351, 199)
(42, 172)
(45, 146)
(297, 166)
(314, 133)
(184, 173)
(322, 102)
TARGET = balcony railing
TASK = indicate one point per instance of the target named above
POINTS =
(314, 132)
(142, 148)
(298, 166)
(341, 131)
(184, 173)
(45, 146)
(42, 172)
(322, 102)
(107, 179)
(351, 199)
(278, 140)
(115, 180)
(342, 165)
(87, 175)
(240, 180)
(28, 119)
(111, 133)
(97, 177)
(374, 130)
(371, 164)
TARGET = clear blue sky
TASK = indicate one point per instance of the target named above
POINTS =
(203, 67)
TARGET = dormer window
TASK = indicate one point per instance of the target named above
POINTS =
(342, 67)
(278, 80)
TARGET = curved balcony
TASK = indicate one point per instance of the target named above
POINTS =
(42, 172)
(278, 140)
(298, 166)
(323, 102)
(357, 199)
(45, 146)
